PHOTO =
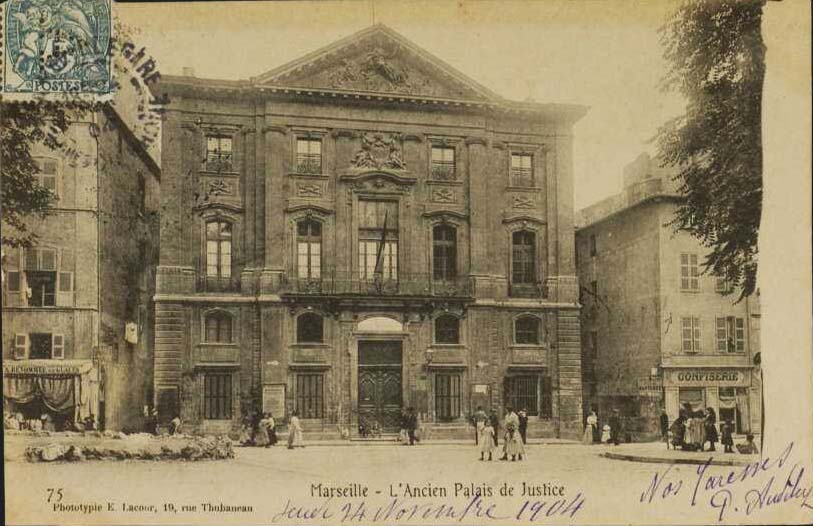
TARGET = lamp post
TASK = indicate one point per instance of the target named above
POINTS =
(758, 364)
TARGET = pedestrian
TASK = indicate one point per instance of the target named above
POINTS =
(271, 429)
(523, 425)
(590, 428)
(710, 427)
(615, 427)
(512, 442)
(245, 430)
(295, 432)
(664, 424)
(679, 431)
(487, 444)
(728, 436)
(605, 434)
(175, 426)
(495, 424)
(261, 435)
(749, 448)
(412, 425)
(480, 418)
(90, 423)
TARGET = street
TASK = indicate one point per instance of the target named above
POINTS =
(557, 483)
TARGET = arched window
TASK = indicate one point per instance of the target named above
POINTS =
(218, 327)
(309, 328)
(218, 249)
(523, 264)
(447, 329)
(309, 249)
(444, 252)
(526, 330)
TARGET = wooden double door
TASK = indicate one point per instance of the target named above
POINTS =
(380, 393)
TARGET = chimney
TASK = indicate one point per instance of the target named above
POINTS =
(188, 72)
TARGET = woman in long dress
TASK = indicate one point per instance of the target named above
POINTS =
(590, 428)
(261, 435)
(295, 432)
(710, 427)
(513, 446)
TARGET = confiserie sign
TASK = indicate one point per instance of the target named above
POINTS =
(708, 377)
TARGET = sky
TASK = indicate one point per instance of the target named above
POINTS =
(604, 54)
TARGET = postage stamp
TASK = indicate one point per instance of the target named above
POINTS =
(57, 46)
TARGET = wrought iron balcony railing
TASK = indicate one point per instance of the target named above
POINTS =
(339, 283)
(527, 290)
(308, 163)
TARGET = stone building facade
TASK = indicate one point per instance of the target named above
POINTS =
(77, 306)
(359, 231)
(657, 334)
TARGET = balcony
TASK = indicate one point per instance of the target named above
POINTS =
(443, 171)
(219, 162)
(309, 163)
(218, 284)
(353, 284)
(527, 290)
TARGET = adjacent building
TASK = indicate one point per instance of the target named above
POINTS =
(360, 231)
(77, 307)
(657, 333)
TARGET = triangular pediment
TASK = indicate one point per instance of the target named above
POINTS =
(377, 60)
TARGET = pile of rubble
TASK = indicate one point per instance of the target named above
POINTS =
(138, 446)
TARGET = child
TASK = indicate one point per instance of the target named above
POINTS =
(487, 441)
(605, 434)
(749, 448)
(728, 439)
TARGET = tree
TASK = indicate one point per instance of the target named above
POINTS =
(715, 53)
(24, 124)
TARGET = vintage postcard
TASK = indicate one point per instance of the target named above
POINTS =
(406, 263)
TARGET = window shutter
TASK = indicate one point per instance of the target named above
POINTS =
(13, 281)
(65, 286)
(57, 346)
(20, 346)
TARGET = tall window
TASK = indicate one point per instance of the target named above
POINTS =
(444, 253)
(310, 392)
(309, 156)
(522, 171)
(217, 396)
(689, 273)
(41, 276)
(309, 328)
(526, 330)
(722, 285)
(443, 163)
(309, 249)
(372, 218)
(218, 327)
(39, 346)
(218, 249)
(690, 331)
(522, 392)
(523, 248)
(447, 329)
(447, 396)
(730, 334)
(47, 174)
(219, 157)
(593, 245)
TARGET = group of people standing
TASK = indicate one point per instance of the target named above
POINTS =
(693, 429)
(609, 433)
(487, 432)
(260, 430)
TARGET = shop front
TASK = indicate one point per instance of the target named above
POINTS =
(64, 391)
(729, 391)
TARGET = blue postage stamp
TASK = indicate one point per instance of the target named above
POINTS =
(57, 46)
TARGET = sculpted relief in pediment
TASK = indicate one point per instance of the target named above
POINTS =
(381, 67)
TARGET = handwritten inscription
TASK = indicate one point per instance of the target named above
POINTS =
(744, 490)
